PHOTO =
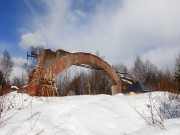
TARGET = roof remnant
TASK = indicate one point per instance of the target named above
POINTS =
(137, 87)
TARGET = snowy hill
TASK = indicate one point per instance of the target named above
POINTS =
(81, 115)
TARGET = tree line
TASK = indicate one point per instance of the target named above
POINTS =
(100, 83)
(86, 81)
(147, 73)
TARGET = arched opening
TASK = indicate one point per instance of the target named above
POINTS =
(76, 80)
(83, 59)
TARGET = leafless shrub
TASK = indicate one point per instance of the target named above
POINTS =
(170, 106)
(10, 102)
(3, 120)
(160, 107)
(150, 114)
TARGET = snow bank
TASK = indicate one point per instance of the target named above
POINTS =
(80, 115)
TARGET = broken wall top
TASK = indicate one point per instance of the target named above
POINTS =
(49, 56)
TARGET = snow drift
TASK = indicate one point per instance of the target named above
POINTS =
(80, 115)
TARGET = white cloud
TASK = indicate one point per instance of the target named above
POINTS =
(31, 39)
(131, 27)
(163, 57)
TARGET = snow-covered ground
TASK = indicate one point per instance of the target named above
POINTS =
(81, 115)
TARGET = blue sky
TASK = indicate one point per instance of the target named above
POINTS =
(118, 29)
(11, 13)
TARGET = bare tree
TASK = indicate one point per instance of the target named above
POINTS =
(99, 80)
(139, 70)
(121, 68)
(6, 65)
(177, 73)
(63, 80)
(28, 70)
(78, 85)
(145, 72)
(20, 81)
(1, 79)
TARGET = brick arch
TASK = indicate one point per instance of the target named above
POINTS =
(80, 58)
(51, 63)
